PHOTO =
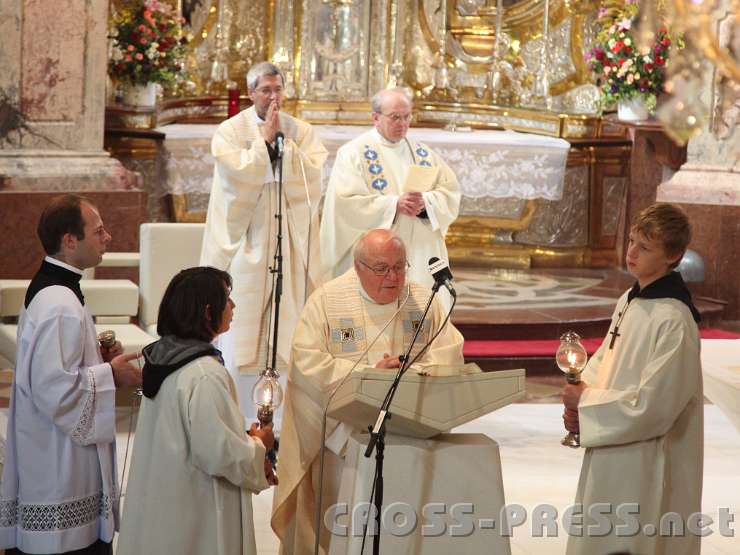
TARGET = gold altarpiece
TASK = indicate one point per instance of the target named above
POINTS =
(336, 54)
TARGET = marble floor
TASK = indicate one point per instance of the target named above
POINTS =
(502, 295)
(504, 288)
(537, 469)
(540, 303)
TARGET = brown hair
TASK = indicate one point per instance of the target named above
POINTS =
(62, 215)
(190, 295)
(666, 223)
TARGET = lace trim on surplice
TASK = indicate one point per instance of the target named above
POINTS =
(85, 425)
(58, 516)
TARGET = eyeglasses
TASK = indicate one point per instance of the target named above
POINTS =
(398, 118)
(383, 271)
(267, 91)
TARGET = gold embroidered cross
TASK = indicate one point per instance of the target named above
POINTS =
(347, 334)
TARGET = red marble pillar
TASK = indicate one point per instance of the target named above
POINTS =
(52, 102)
(653, 159)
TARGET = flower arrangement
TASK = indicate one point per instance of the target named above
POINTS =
(147, 45)
(622, 70)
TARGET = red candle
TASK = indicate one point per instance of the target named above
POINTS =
(233, 108)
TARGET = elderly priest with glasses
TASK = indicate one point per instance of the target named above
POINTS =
(336, 328)
(381, 179)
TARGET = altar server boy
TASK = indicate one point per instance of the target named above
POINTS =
(639, 408)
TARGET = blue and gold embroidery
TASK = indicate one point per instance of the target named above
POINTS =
(347, 335)
(375, 168)
(412, 324)
(423, 153)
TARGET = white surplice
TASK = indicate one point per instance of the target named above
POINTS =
(241, 229)
(366, 181)
(59, 490)
(193, 469)
(336, 325)
(641, 422)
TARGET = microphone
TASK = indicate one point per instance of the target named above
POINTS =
(280, 142)
(440, 271)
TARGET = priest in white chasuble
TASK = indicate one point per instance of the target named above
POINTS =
(241, 229)
(640, 407)
(339, 322)
(59, 490)
(381, 179)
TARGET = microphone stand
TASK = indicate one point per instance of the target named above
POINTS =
(377, 432)
(277, 292)
(277, 267)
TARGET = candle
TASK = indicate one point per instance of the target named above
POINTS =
(233, 107)
(572, 359)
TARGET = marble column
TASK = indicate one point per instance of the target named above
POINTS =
(52, 102)
(707, 186)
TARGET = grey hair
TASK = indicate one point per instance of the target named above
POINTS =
(262, 69)
(377, 101)
(359, 252)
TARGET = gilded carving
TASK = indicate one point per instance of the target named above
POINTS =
(227, 38)
(334, 48)
(469, 63)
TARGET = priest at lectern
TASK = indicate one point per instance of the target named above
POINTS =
(337, 324)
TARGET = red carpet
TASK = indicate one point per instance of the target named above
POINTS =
(548, 347)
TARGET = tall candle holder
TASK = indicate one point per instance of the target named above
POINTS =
(267, 394)
(571, 358)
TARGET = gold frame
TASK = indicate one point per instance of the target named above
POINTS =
(525, 22)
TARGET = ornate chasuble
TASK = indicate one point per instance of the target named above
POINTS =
(374, 168)
(241, 228)
(367, 179)
(347, 311)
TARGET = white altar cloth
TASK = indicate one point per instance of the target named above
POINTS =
(450, 470)
(720, 361)
(495, 164)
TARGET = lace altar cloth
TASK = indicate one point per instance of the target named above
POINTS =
(488, 164)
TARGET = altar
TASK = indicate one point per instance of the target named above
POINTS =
(544, 178)
(502, 173)
(489, 164)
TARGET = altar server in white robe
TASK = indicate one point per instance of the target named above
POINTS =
(193, 468)
(59, 491)
(241, 227)
(640, 407)
(337, 324)
(366, 191)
